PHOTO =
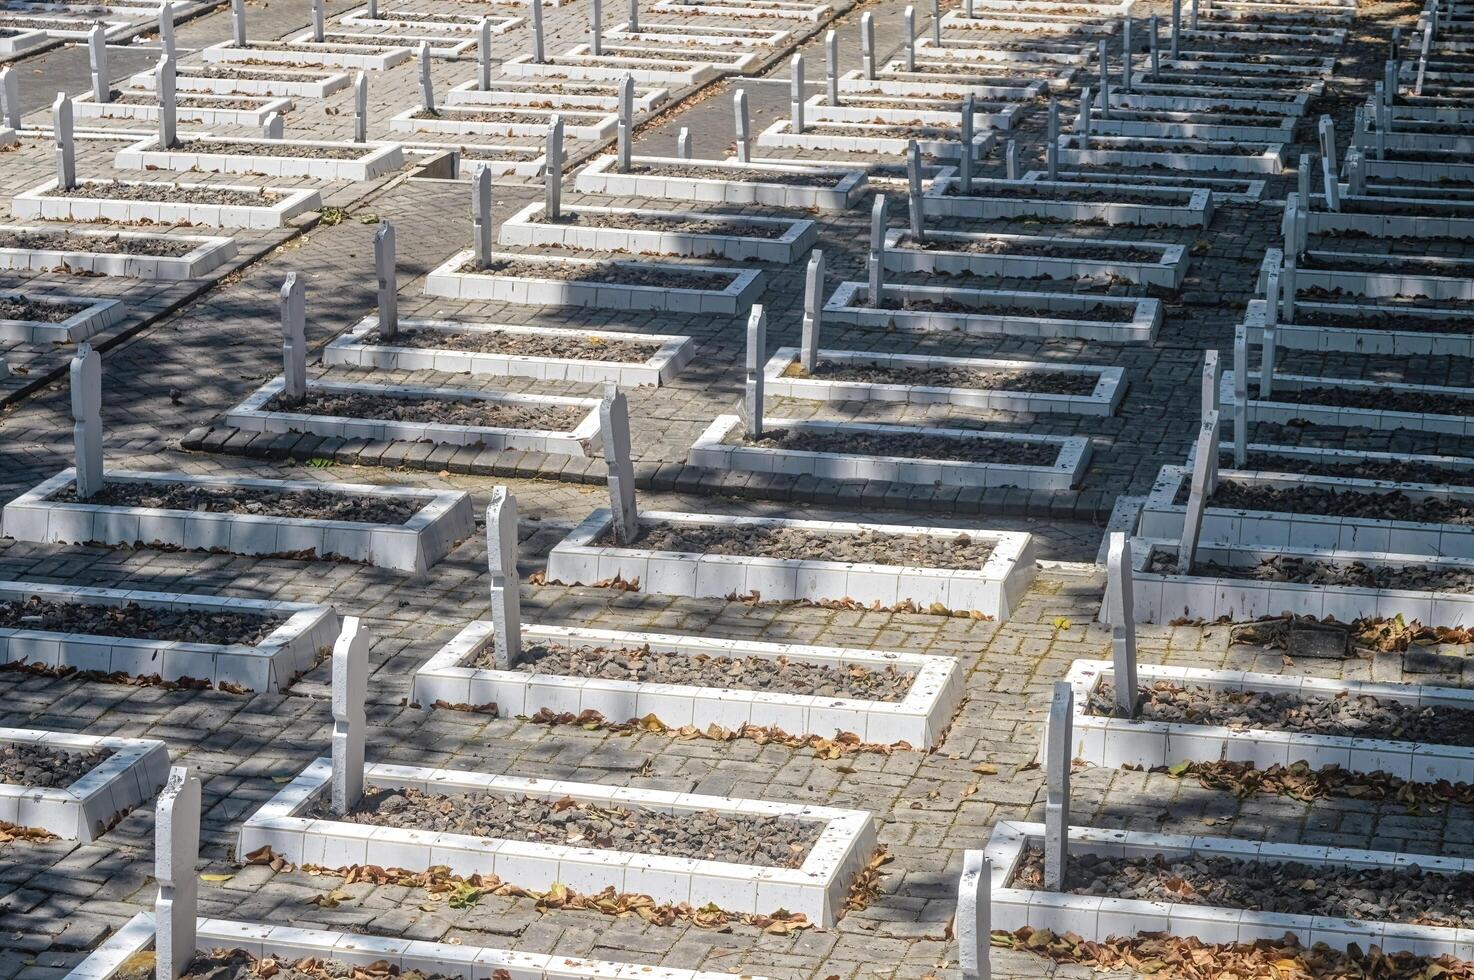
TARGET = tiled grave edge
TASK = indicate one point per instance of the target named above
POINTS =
(84, 809)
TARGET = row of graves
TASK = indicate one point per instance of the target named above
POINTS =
(30, 26)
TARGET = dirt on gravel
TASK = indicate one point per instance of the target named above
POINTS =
(1397, 470)
(736, 174)
(1044, 192)
(1390, 505)
(239, 964)
(287, 148)
(679, 226)
(212, 71)
(1310, 571)
(624, 274)
(870, 547)
(117, 190)
(1391, 320)
(1101, 311)
(1377, 398)
(307, 504)
(909, 445)
(1053, 250)
(1041, 382)
(101, 244)
(137, 622)
(202, 100)
(30, 311)
(1385, 262)
(771, 842)
(574, 346)
(42, 767)
(434, 411)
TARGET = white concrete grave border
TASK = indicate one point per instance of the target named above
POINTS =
(95, 316)
(415, 20)
(1101, 740)
(579, 65)
(1458, 284)
(712, 450)
(799, 234)
(745, 287)
(1131, 151)
(1372, 215)
(1355, 339)
(298, 53)
(1226, 190)
(36, 204)
(270, 664)
(817, 889)
(84, 809)
(87, 108)
(213, 154)
(533, 94)
(502, 159)
(778, 9)
(1192, 207)
(1109, 389)
(669, 353)
(919, 719)
(1168, 271)
(1024, 90)
(456, 120)
(291, 943)
(995, 589)
(849, 304)
(927, 110)
(208, 254)
(252, 415)
(413, 546)
(602, 176)
(301, 84)
(934, 141)
(1098, 918)
(1269, 410)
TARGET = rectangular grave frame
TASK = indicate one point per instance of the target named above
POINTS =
(817, 889)
(994, 590)
(83, 810)
(1196, 210)
(1225, 189)
(404, 21)
(1269, 410)
(1376, 285)
(801, 234)
(522, 161)
(312, 84)
(376, 160)
(413, 546)
(513, 92)
(854, 82)
(919, 720)
(450, 123)
(577, 65)
(35, 204)
(86, 107)
(1358, 340)
(778, 9)
(1190, 127)
(601, 176)
(931, 140)
(1392, 225)
(1168, 272)
(301, 55)
(818, 110)
(97, 316)
(1119, 151)
(211, 253)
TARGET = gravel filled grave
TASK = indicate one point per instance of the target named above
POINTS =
(1045, 382)
(871, 547)
(1218, 148)
(1310, 571)
(1353, 716)
(910, 445)
(580, 347)
(737, 174)
(1376, 398)
(247, 74)
(117, 190)
(1043, 192)
(655, 222)
(434, 411)
(1388, 262)
(1100, 311)
(646, 666)
(137, 622)
(1380, 894)
(1391, 505)
(528, 117)
(238, 964)
(29, 764)
(30, 311)
(770, 842)
(1391, 320)
(1080, 249)
(309, 151)
(656, 277)
(101, 244)
(189, 101)
(1397, 470)
(323, 505)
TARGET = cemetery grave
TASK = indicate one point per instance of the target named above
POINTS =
(75, 786)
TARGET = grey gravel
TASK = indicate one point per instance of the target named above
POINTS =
(737, 173)
(31, 311)
(628, 274)
(102, 244)
(41, 767)
(136, 622)
(1079, 249)
(584, 348)
(1315, 572)
(909, 445)
(872, 547)
(1042, 382)
(1392, 505)
(1100, 311)
(435, 411)
(287, 148)
(655, 222)
(117, 190)
(312, 504)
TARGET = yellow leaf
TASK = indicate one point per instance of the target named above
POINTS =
(216, 877)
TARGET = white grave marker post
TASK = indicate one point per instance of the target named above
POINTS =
(757, 352)
(482, 231)
(1326, 130)
(273, 127)
(596, 28)
(1192, 19)
(936, 22)
(1359, 127)
(1272, 290)
(908, 19)
(876, 285)
(1121, 608)
(10, 98)
(1423, 60)
(1105, 79)
(166, 28)
(796, 92)
(1011, 160)
(1126, 54)
(553, 170)
(1051, 146)
(385, 262)
(350, 720)
(176, 848)
(831, 67)
(86, 383)
(913, 191)
(1356, 178)
(539, 51)
(683, 144)
(164, 82)
(319, 17)
(626, 131)
(1240, 396)
(1057, 742)
(66, 148)
(1208, 397)
(867, 45)
(1383, 120)
(293, 339)
(967, 8)
(744, 126)
(373, 9)
(1175, 49)
(506, 590)
(483, 54)
(964, 156)
(1155, 31)
(427, 86)
(102, 86)
(360, 108)
(614, 425)
(1389, 82)
(238, 22)
(813, 324)
(1197, 498)
(1302, 177)
(1082, 118)
(975, 917)
(633, 27)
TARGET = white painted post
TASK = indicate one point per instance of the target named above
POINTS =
(683, 143)
(1423, 60)
(1058, 738)
(553, 170)
(1011, 160)
(831, 67)
(350, 719)
(319, 17)
(373, 9)
(975, 917)
(1272, 291)
(506, 591)
(102, 84)
(238, 22)
(427, 86)
(483, 54)
(1121, 608)
(936, 22)
(1359, 127)
(1212, 375)
(908, 19)
(1126, 54)
(164, 82)
(1389, 82)
(86, 382)
(913, 191)
(1240, 396)
(596, 28)
(1156, 49)
(796, 92)
(166, 28)
(1105, 79)
(385, 268)
(66, 148)
(967, 8)
(482, 231)
(626, 132)
(1082, 119)
(1302, 177)
(1197, 498)
(813, 323)
(273, 127)
(614, 425)
(1383, 120)
(876, 285)
(1176, 48)
(633, 27)
(744, 126)
(964, 156)
(539, 51)
(10, 98)
(867, 45)
(1326, 130)
(757, 352)
(360, 108)
(1051, 146)
(1356, 180)
(1192, 20)
(176, 848)
(293, 339)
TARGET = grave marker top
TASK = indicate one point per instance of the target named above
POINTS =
(350, 690)
(86, 391)
(614, 426)
(176, 848)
